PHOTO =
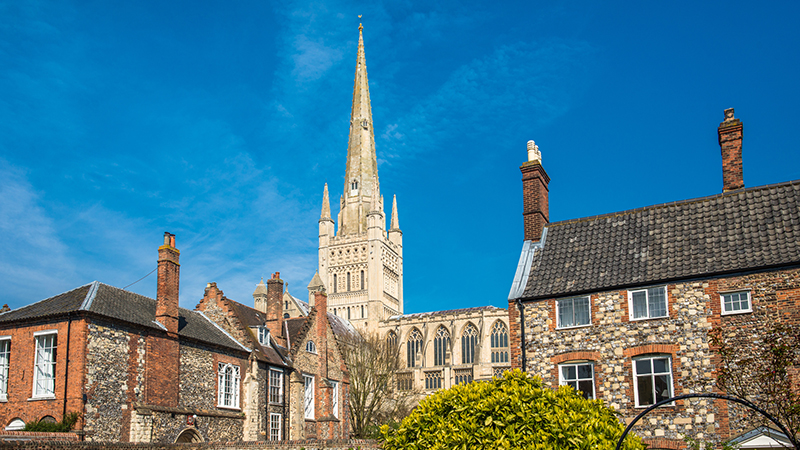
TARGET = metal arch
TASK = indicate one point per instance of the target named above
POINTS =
(719, 396)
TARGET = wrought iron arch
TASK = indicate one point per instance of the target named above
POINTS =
(719, 396)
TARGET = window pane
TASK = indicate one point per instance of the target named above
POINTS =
(660, 365)
(662, 387)
(586, 387)
(639, 301)
(568, 372)
(658, 301)
(582, 311)
(585, 371)
(565, 313)
(645, 387)
(574, 384)
(642, 366)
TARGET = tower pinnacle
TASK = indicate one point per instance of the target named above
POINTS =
(326, 205)
(395, 225)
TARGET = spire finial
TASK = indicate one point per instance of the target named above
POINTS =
(395, 225)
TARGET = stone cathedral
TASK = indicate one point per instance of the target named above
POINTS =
(361, 269)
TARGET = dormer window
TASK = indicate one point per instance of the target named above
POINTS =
(263, 335)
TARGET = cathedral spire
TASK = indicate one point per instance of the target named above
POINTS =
(361, 176)
(326, 205)
(395, 225)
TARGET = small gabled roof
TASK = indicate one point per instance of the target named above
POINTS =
(253, 318)
(118, 304)
(744, 230)
(303, 306)
(340, 326)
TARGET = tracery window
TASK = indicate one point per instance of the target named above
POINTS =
(391, 339)
(499, 343)
(441, 347)
(414, 349)
(228, 388)
(468, 340)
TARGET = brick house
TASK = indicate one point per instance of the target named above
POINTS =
(137, 369)
(620, 306)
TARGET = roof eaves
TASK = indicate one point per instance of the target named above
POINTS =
(223, 331)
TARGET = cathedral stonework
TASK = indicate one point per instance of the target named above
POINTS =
(361, 269)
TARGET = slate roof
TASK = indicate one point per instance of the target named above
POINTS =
(444, 313)
(340, 326)
(743, 230)
(126, 306)
(251, 317)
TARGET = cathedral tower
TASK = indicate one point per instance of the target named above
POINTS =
(361, 263)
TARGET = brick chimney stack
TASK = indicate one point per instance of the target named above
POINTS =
(169, 271)
(730, 134)
(535, 213)
(275, 304)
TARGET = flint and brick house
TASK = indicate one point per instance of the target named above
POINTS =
(137, 369)
(299, 359)
(620, 306)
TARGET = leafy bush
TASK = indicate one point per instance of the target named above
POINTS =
(67, 423)
(513, 411)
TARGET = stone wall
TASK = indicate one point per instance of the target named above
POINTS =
(352, 444)
(115, 359)
(611, 341)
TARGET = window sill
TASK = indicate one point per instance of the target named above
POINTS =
(276, 403)
(310, 420)
(648, 318)
(576, 326)
(672, 406)
(733, 313)
(49, 397)
(229, 408)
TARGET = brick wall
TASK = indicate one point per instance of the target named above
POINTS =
(20, 403)
(535, 203)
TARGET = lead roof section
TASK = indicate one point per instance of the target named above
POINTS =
(737, 231)
(119, 304)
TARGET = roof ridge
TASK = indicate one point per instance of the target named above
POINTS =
(87, 302)
(673, 203)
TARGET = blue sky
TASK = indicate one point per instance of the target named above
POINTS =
(221, 121)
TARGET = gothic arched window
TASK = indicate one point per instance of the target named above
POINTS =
(441, 347)
(362, 280)
(414, 349)
(348, 281)
(499, 342)
(334, 283)
(391, 339)
(468, 340)
(348, 313)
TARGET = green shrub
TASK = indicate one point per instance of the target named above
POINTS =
(512, 412)
(66, 424)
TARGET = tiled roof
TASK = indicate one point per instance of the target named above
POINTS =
(294, 327)
(444, 313)
(339, 325)
(251, 317)
(119, 304)
(743, 230)
(304, 306)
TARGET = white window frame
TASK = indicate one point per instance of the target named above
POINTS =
(308, 397)
(222, 386)
(275, 420)
(572, 299)
(5, 363)
(647, 300)
(652, 375)
(37, 365)
(263, 335)
(578, 379)
(335, 397)
(311, 347)
(273, 376)
(725, 312)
